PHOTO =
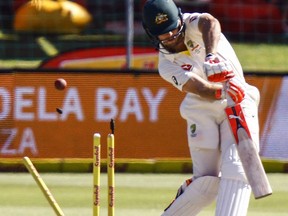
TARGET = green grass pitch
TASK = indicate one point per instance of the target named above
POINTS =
(136, 194)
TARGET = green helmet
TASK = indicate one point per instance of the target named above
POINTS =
(160, 17)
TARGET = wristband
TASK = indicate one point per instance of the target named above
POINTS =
(209, 55)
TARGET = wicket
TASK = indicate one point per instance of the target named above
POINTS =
(31, 168)
(97, 172)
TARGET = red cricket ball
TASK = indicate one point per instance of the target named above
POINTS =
(60, 84)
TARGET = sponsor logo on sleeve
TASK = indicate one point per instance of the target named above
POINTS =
(175, 80)
(192, 19)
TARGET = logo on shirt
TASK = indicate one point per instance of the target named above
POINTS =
(193, 130)
(194, 47)
(187, 67)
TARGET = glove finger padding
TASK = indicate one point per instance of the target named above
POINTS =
(218, 71)
(236, 93)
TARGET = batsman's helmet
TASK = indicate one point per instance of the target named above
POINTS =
(160, 17)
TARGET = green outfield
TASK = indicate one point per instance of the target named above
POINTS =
(136, 194)
(262, 57)
(28, 51)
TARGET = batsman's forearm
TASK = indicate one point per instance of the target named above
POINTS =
(201, 87)
(211, 31)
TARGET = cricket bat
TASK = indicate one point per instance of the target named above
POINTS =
(248, 153)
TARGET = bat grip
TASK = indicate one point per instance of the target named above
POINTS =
(230, 102)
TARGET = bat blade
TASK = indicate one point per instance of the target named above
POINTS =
(252, 165)
(248, 153)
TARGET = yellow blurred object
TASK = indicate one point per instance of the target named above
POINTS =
(48, 16)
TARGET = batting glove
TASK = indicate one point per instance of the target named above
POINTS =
(236, 93)
(216, 70)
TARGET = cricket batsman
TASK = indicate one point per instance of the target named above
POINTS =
(196, 58)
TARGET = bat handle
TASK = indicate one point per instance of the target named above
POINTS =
(230, 102)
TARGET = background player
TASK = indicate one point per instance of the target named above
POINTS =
(196, 58)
